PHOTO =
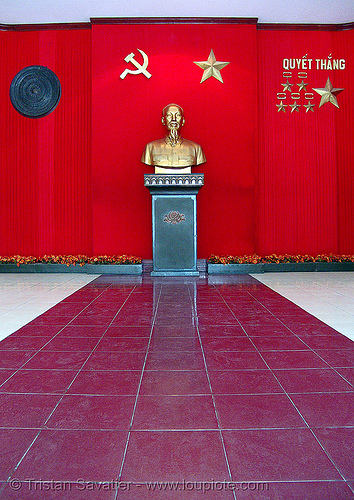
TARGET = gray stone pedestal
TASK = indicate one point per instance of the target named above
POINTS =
(174, 223)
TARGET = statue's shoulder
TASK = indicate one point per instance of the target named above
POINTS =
(190, 143)
(196, 150)
(152, 148)
(156, 143)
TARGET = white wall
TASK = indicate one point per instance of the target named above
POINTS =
(267, 11)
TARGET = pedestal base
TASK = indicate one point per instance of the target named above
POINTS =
(175, 273)
(174, 223)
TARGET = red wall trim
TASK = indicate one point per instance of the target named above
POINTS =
(174, 20)
(178, 20)
(45, 26)
(305, 27)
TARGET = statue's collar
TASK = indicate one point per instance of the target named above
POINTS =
(178, 143)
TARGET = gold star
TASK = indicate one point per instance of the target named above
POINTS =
(295, 107)
(287, 85)
(328, 94)
(281, 107)
(211, 67)
(309, 107)
(302, 85)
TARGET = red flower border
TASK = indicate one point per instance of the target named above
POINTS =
(80, 260)
(278, 259)
(69, 260)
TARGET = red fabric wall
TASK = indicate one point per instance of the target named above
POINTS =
(221, 117)
(45, 163)
(305, 175)
(344, 43)
(72, 182)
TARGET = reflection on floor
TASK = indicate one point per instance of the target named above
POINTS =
(172, 388)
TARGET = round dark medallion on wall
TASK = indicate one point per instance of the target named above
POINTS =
(35, 91)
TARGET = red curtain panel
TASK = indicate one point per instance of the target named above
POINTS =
(275, 180)
(45, 163)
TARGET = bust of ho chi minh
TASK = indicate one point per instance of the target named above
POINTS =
(173, 154)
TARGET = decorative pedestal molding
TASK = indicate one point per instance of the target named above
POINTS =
(174, 223)
(185, 180)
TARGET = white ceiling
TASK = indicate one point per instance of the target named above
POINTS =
(267, 11)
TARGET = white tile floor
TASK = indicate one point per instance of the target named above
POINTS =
(328, 296)
(25, 296)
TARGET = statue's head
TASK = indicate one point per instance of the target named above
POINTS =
(173, 117)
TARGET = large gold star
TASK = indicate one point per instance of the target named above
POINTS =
(211, 67)
(328, 94)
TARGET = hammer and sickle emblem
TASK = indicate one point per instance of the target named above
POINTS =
(140, 68)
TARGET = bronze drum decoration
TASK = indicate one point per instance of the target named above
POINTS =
(35, 91)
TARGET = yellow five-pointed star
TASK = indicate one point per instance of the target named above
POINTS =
(281, 107)
(211, 67)
(302, 85)
(295, 107)
(328, 94)
(287, 85)
(309, 107)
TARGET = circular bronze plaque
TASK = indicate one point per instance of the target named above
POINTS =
(35, 91)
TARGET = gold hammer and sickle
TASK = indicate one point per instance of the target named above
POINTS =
(140, 68)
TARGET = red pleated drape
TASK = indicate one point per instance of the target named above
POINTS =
(45, 169)
(222, 117)
(305, 182)
(344, 43)
(275, 182)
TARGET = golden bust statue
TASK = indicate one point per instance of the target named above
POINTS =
(173, 154)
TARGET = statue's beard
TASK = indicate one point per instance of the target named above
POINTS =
(173, 136)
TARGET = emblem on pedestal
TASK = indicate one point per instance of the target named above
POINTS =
(174, 217)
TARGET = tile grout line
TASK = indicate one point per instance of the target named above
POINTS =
(54, 336)
(194, 308)
(299, 338)
(138, 389)
(314, 296)
(8, 427)
(292, 402)
(205, 368)
(53, 305)
(68, 387)
(93, 350)
(176, 395)
(296, 335)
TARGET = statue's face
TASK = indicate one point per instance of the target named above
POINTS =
(173, 118)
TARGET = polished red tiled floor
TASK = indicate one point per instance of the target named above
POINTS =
(176, 388)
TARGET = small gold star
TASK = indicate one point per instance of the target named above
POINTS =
(309, 107)
(302, 85)
(328, 94)
(211, 67)
(295, 107)
(287, 85)
(281, 107)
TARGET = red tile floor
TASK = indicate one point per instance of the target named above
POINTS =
(176, 388)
